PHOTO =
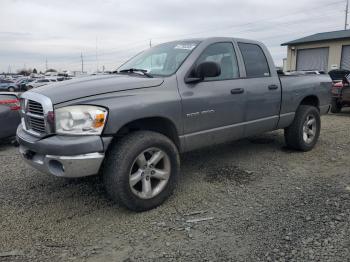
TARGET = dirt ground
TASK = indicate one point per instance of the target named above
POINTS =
(258, 201)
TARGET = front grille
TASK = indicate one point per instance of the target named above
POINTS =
(36, 124)
(35, 108)
(35, 117)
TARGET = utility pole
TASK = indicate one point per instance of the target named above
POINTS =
(82, 63)
(346, 15)
(150, 43)
(96, 57)
(46, 64)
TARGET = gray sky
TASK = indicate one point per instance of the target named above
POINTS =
(31, 31)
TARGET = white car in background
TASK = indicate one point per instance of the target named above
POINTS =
(40, 82)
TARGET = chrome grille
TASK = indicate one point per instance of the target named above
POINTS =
(37, 124)
(35, 117)
(35, 109)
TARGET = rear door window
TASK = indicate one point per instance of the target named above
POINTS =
(255, 61)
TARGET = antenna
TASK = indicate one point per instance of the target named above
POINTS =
(346, 15)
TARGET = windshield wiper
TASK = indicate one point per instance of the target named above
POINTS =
(135, 70)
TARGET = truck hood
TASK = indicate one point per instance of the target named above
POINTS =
(94, 85)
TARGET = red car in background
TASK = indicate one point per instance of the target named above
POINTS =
(340, 90)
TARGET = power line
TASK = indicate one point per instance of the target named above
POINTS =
(256, 27)
(346, 15)
(117, 50)
(250, 23)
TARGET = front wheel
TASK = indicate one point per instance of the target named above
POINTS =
(336, 106)
(11, 89)
(303, 133)
(141, 170)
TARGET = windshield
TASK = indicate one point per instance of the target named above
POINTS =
(163, 59)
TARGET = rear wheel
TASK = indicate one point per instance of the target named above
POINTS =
(303, 133)
(336, 106)
(11, 89)
(141, 170)
(29, 87)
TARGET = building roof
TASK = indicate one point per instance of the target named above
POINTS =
(326, 36)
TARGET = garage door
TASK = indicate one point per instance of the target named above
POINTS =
(345, 57)
(312, 59)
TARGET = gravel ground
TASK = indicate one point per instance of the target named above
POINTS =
(258, 201)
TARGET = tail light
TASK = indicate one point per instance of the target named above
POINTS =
(12, 103)
(337, 87)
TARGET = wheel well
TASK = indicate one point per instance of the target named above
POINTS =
(156, 124)
(310, 101)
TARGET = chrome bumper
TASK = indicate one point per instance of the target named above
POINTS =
(64, 166)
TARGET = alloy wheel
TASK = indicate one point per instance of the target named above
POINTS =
(150, 173)
(309, 129)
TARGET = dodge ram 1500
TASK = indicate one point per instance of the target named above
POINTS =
(179, 96)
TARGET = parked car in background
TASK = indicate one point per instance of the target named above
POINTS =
(340, 89)
(9, 114)
(340, 95)
(7, 85)
(136, 122)
(38, 82)
(338, 75)
(22, 84)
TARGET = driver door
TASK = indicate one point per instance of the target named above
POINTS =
(214, 108)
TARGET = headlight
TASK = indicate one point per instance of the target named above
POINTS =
(80, 120)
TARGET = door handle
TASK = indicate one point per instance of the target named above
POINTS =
(237, 91)
(273, 87)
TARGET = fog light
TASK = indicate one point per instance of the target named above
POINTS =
(56, 167)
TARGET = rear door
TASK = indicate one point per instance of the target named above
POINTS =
(263, 90)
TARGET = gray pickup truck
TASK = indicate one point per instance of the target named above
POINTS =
(175, 97)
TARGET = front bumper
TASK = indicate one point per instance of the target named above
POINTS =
(63, 156)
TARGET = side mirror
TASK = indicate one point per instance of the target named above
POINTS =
(204, 70)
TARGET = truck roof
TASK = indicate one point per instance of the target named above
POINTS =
(218, 39)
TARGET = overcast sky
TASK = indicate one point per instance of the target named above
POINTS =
(36, 30)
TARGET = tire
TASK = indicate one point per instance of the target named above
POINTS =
(11, 89)
(301, 135)
(124, 159)
(336, 106)
(29, 87)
